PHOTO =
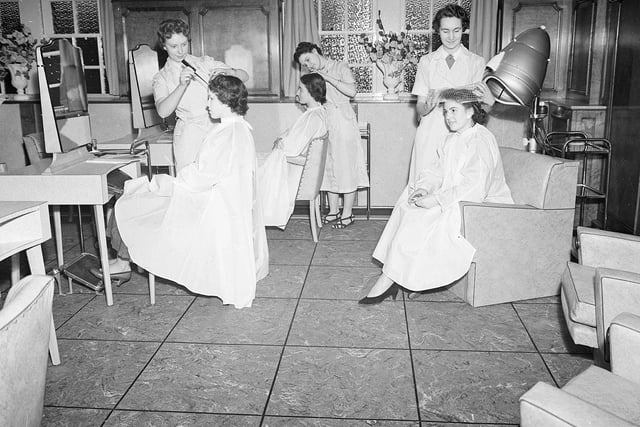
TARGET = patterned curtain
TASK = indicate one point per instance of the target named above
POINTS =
(300, 24)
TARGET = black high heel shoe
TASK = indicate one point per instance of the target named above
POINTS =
(393, 291)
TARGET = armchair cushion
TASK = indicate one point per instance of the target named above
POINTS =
(577, 286)
(599, 248)
(25, 327)
(607, 391)
(546, 405)
(595, 397)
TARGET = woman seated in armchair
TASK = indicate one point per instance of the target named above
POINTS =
(421, 246)
(203, 228)
(278, 178)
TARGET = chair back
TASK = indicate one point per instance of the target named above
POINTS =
(143, 65)
(25, 324)
(543, 182)
(313, 170)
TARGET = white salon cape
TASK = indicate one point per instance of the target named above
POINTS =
(202, 229)
(422, 248)
(433, 74)
(278, 179)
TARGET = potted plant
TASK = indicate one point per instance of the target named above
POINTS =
(392, 53)
(17, 55)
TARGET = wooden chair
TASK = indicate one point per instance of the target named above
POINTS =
(311, 180)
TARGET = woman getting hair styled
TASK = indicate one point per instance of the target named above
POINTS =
(345, 169)
(279, 178)
(181, 87)
(203, 228)
(421, 246)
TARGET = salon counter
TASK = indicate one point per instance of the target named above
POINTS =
(393, 125)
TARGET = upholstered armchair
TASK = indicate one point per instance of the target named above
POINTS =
(604, 283)
(596, 397)
(521, 249)
(25, 325)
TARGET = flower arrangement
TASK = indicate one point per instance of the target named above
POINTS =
(392, 52)
(17, 48)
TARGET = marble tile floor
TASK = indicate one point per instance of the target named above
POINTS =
(305, 353)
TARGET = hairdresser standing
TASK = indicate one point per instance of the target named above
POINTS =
(182, 86)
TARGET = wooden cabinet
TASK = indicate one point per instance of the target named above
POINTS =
(242, 33)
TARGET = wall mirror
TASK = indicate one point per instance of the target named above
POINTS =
(63, 96)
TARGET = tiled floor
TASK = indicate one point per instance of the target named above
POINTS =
(305, 353)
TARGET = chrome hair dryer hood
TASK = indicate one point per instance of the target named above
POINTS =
(515, 75)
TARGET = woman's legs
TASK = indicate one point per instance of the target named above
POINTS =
(121, 263)
(346, 218)
(334, 202)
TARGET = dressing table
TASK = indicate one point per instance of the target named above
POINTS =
(74, 176)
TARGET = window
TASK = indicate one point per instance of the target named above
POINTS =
(342, 22)
(9, 16)
(79, 22)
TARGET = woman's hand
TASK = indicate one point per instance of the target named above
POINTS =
(482, 91)
(422, 198)
(186, 75)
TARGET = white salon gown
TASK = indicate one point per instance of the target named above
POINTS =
(423, 248)
(434, 74)
(193, 123)
(278, 179)
(202, 229)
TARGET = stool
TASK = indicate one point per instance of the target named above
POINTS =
(365, 133)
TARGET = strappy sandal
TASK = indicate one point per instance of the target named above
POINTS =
(341, 223)
(329, 218)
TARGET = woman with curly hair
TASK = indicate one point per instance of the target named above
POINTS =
(345, 169)
(182, 89)
(281, 171)
(421, 246)
(202, 229)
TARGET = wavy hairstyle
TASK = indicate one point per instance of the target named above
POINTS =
(316, 85)
(231, 92)
(305, 47)
(467, 98)
(169, 27)
(451, 11)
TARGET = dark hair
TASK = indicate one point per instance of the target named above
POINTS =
(451, 11)
(305, 47)
(468, 99)
(169, 27)
(231, 92)
(316, 85)
(479, 115)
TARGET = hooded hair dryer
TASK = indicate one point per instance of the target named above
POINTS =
(515, 75)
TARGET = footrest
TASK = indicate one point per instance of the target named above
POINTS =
(80, 270)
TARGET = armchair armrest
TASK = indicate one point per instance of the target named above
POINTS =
(599, 248)
(625, 346)
(515, 244)
(616, 292)
(546, 405)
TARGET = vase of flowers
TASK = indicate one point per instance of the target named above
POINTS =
(392, 52)
(17, 57)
